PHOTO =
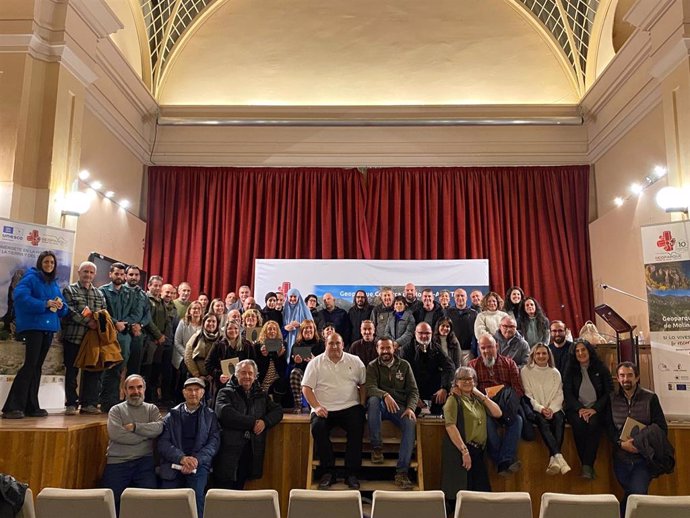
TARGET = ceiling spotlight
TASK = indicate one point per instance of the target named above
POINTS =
(109, 194)
(660, 171)
(636, 188)
(84, 174)
(618, 201)
(96, 185)
(124, 204)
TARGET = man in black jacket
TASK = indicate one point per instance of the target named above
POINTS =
(631, 401)
(463, 319)
(429, 310)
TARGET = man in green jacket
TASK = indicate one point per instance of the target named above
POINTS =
(392, 394)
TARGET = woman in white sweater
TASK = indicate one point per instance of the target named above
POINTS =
(543, 387)
(489, 318)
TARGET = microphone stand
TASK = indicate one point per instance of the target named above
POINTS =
(613, 288)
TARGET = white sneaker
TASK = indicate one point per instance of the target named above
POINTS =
(562, 464)
(554, 467)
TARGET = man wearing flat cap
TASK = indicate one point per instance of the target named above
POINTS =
(190, 440)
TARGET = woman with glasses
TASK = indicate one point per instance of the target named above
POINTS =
(465, 414)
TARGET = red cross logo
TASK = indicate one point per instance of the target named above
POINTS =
(33, 237)
(666, 241)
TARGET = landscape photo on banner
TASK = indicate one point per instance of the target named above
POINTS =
(667, 278)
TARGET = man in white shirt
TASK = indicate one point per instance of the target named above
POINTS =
(333, 384)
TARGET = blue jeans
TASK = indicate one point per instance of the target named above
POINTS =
(196, 481)
(133, 473)
(378, 412)
(503, 450)
(633, 476)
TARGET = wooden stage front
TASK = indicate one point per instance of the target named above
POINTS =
(69, 452)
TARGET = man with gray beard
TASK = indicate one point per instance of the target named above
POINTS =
(494, 370)
(132, 427)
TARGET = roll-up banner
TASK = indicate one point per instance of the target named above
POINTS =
(343, 277)
(20, 245)
(667, 277)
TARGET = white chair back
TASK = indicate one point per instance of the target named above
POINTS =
(261, 503)
(559, 505)
(471, 504)
(396, 504)
(154, 503)
(308, 503)
(66, 503)
(651, 506)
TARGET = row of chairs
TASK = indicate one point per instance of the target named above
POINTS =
(305, 503)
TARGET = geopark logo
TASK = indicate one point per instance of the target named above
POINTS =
(666, 241)
(33, 237)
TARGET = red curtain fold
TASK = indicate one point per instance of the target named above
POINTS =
(207, 225)
(530, 222)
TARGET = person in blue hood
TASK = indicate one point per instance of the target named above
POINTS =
(38, 308)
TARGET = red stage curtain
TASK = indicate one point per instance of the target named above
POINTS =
(207, 225)
(530, 222)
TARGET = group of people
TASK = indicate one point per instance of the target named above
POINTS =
(492, 369)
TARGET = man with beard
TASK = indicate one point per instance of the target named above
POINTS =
(132, 427)
(183, 300)
(463, 319)
(332, 314)
(493, 370)
(511, 343)
(392, 394)
(141, 303)
(125, 312)
(365, 347)
(333, 385)
(429, 310)
(358, 313)
(78, 296)
(381, 313)
(559, 345)
(159, 371)
(433, 370)
(630, 400)
(410, 294)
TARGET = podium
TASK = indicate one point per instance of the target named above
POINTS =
(627, 346)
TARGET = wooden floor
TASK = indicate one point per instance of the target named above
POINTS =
(69, 452)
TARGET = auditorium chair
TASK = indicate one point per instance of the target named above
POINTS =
(312, 503)
(149, 503)
(394, 504)
(648, 506)
(68, 503)
(27, 510)
(560, 505)
(471, 504)
(260, 503)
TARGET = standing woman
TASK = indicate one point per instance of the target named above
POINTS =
(199, 347)
(543, 387)
(245, 413)
(515, 299)
(400, 326)
(586, 388)
(232, 345)
(272, 365)
(38, 307)
(533, 324)
(308, 336)
(490, 316)
(465, 414)
(445, 337)
(217, 307)
(190, 324)
(251, 325)
(295, 311)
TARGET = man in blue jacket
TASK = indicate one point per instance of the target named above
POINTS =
(190, 440)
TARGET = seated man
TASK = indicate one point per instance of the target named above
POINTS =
(190, 439)
(494, 369)
(392, 394)
(511, 343)
(132, 427)
(333, 385)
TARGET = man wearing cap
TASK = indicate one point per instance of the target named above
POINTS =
(132, 427)
(190, 439)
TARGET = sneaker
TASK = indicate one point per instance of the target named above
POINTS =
(403, 481)
(504, 469)
(90, 409)
(326, 481)
(554, 467)
(352, 482)
(588, 472)
(39, 412)
(377, 456)
(13, 414)
(565, 468)
(515, 466)
(70, 410)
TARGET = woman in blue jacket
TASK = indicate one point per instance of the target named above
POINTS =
(38, 306)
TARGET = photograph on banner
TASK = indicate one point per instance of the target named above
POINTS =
(343, 277)
(667, 279)
(20, 246)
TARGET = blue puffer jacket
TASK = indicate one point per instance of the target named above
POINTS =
(30, 297)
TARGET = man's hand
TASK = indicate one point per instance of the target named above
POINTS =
(129, 427)
(409, 414)
(440, 396)
(390, 403)
(259, 426)
(629, 446)
(586, 414)
(92, 324)
(321, 411)
(120, 326)
(161, 340)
